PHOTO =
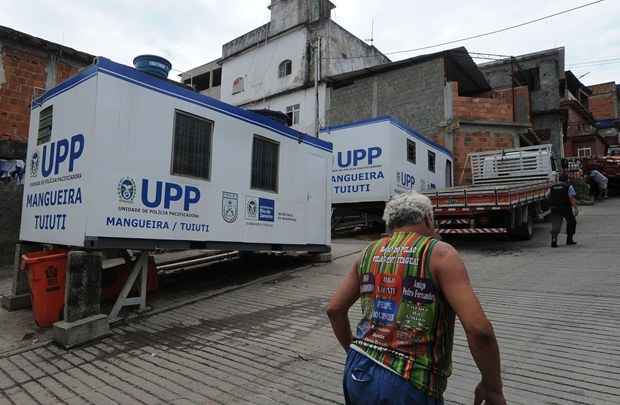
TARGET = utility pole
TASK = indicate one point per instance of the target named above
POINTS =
(317, 78)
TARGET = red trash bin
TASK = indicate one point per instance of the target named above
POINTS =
(46, 276)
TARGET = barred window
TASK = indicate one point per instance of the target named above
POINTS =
(265, 156)
(192, 146)
(411, 151)
(45, 125)
(431, 161)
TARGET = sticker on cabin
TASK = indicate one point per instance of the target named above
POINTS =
(266, 210)
(260, 209)
(34, 164)
(126, 190)
(251, 208)
(230, 206)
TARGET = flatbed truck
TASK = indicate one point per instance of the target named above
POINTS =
(509, 193)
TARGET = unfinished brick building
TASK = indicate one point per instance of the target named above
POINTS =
(605, 108)
(28, 66)
(444, 96)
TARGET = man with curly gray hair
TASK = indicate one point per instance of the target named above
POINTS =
(411, 286)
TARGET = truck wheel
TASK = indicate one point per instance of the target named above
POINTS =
(525, 231)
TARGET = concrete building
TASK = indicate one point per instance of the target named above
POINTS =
(275, 66)
(442, 95)
(28, 66)
(543, 73)
(206, 79)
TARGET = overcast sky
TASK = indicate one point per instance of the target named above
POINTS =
(191, 32)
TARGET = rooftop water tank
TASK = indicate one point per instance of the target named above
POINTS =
(153, 64)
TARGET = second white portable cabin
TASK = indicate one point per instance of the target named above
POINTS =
(378, 158)
(118, 158)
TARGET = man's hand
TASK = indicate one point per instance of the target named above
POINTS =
(486, 397)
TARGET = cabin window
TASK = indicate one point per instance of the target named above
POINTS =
(217, 77)
(285, 68)
(45, 125)
(292, 113)
(431, 161)
(192, 146)
(238, 86)
(448, 173)
(411, 152)
(265, 156)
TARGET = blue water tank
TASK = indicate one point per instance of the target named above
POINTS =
(153, 64)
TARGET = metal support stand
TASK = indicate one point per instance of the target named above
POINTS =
(140, 268)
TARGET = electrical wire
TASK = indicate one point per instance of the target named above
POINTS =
(486, 33)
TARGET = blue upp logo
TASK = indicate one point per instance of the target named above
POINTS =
(354, 157)
(405, 179)
(167, 193)
(59, 152)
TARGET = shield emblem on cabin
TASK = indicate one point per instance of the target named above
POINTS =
(230, 206)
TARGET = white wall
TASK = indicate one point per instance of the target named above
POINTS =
(306, 98)
(360, 180)
(393, 173)
(49, 215)
(423, 179)
(259, 68)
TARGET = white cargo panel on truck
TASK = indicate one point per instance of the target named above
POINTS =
(378, 158)
(134, 161)
(531, 163)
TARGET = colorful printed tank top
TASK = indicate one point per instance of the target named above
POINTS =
(407, 324)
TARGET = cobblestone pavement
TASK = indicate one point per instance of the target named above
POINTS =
(556, 313)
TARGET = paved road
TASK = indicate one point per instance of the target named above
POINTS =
(556, 314)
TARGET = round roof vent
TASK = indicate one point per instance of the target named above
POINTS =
(153, 65)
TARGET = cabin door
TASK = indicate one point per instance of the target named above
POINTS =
(317, 211)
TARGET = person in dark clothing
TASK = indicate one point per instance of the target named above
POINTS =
(563, 204)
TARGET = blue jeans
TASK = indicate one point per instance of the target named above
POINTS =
(367, 383)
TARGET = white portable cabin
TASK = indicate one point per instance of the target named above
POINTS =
(378, 158)
(118, 158)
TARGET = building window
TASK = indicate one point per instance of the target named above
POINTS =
(411, 151)
(448, 173)
(191, 154)
(200, 82)
(265, 156)
(238, 85)
(285, 68)
(292, 113)
(217, 78)
(431, 161)
(45, 125)
(584, 153)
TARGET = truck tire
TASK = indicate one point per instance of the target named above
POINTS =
(524, 231)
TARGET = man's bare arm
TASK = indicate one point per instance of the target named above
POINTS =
(338, 308)
(451, 275)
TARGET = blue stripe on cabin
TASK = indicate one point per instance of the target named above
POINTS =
(410, 131)
(145, 80)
